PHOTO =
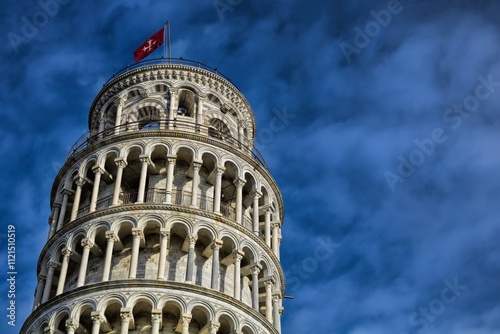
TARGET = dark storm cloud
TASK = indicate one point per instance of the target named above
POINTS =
(351, 122)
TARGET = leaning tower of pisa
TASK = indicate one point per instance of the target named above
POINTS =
(164, 217)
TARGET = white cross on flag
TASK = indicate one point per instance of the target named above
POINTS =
(150, 45)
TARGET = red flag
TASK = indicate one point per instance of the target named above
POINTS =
(150, 45)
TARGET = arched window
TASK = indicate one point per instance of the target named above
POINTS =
(186, 103)
(218, 129)
(148, 118)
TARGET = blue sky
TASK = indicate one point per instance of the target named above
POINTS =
(388, 157)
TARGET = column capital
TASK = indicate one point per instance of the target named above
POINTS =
(239, 183)
(238, 255)
(256, 194)
(192, 239)
(185, 319)
(87, 243)
(56, 206)
(197, 164)
(66, 252)
(51, 265)
(275, 225)
(42, 278)
(144, 159)
(213, 327)
(111, 236)
(174, 91)
(79, 181)
(156, 317)
(137, 233)
(255, 269)
(72, 324)
(276, 296)
(220, 170)
(217, 244)
(120, 162)
(66, 191)
(269, 283)
(165, 233)
(96, 317)
(98, 169)
(125, 314)
(171, 158)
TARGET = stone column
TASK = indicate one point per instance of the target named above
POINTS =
(144, 159)
(199, 111)
(217, 188)
(39, 291)
(239, 183)
(269, 300)
(196, 181)
(48, 283)
(102, 123)
(87, 245)
(190, 259)
(241, 132)
(76, 201)
(268, 228)
(125, 316)
(275, 227)
(55, 218)
(173, 108)
(119, 108)
(97, 318)
(164, 236)
(111, 238)
(255, 216)
(276, 313)
(71, 326)
(155, 321)
(98, 171)
(64, 206)
(216, 246)
(64, 271)
(170, 177)
(238, 256)
(185, 320)
(255, 288)
(136, 242)
(214, 327)
(121, 164)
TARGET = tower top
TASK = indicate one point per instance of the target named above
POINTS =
(191, 80)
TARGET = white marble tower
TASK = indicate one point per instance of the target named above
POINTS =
(164, 217)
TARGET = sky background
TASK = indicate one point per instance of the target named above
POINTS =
(363, 99)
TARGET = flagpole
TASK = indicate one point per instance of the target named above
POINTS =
(169, 46)
(165, 40)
